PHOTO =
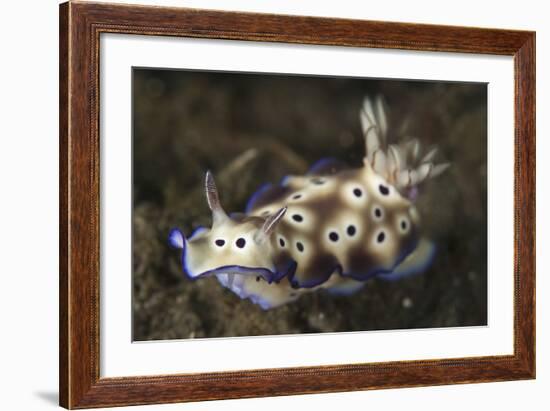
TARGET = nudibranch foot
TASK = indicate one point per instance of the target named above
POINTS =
(346, 288)
(415, 263)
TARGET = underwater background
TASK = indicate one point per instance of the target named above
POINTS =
(249, 129)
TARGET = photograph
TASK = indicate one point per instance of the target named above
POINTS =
(279, 203)
(275, 203)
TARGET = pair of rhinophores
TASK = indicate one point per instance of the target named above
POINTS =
(333, 228)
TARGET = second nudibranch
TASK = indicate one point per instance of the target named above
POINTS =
(333, 228)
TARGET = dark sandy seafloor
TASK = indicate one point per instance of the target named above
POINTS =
(250, 129)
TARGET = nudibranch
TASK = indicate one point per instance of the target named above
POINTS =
(334, 228)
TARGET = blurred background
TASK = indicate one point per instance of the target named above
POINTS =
(254, 128)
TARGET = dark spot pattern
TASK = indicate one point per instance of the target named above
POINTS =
(403, 225)
(258, 279)
(240, 242)
(298, 218)
(384, 190)
(359, 261)
(220, 242)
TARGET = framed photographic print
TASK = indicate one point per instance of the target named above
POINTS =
(258, 205)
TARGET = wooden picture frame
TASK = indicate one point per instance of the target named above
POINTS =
(80, 27)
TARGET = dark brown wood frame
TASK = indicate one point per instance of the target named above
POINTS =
(79, 380)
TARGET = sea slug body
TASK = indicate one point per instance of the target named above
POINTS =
(333, 228)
